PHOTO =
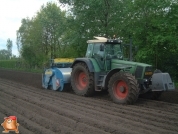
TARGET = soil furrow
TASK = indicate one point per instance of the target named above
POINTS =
(167, 107)
(123, 109)
(83, 118)
(61, 122)
(43, 111)
(139, 124)
(24, 121)
(21, 128)
(37, 117)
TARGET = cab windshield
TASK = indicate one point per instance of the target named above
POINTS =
(113, 51)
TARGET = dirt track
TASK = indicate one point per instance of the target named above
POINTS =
(41, 111)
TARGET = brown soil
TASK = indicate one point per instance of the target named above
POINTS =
(41, 111)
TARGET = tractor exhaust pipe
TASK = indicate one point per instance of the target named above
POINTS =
(130, 48)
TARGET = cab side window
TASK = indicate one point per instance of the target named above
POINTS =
(89, 51)
(96, 49)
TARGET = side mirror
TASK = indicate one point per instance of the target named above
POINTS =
(102, 47)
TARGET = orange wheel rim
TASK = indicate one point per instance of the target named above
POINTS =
(120, 89)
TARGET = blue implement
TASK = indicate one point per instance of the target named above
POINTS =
(55, 78)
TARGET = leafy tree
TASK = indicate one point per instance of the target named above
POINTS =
(91, 18)
(51, 19)
(4, 54)
(55, 33)
(9, 47)
(40, 35)
(152, 25)
(155, 33)
(23, 33)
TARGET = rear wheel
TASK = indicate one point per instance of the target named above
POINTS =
(123, 88)
(82, 80)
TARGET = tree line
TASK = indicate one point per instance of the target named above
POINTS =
(6, 54)
(53, 32)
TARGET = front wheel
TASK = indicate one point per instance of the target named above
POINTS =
(123, 88)
(82, 80)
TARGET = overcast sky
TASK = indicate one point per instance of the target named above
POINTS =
(11, 14)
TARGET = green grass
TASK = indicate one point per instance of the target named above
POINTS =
(8, 63)
(25, 70)
(17, 65)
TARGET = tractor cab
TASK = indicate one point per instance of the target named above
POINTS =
(104, 50)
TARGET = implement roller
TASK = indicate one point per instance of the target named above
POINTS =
(57, 77)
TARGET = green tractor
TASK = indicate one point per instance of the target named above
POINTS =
(105, 68)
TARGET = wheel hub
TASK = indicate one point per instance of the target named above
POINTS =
(82, 81)
(121, 89)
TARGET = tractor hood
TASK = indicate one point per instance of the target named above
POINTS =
(135, 68)
(121, 63)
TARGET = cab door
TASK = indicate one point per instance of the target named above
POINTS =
(98, 55)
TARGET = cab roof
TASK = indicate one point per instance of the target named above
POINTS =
(103, 40)
(98, 39)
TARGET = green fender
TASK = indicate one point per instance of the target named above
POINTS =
(90, 62)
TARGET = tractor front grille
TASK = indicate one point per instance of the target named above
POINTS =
(138, 72)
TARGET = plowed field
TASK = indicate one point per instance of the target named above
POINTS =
(41, 111)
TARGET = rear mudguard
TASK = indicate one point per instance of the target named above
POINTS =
(86, 61)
